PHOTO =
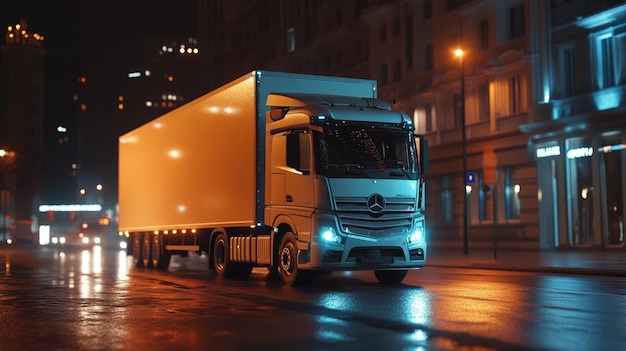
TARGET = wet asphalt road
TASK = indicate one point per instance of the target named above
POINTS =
(93, 300)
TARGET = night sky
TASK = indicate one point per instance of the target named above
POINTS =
(94, 37)
(97, 39)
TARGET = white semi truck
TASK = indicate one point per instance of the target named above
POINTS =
(296, 173)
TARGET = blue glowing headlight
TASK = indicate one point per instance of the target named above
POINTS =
(328, 235)
(418, 234)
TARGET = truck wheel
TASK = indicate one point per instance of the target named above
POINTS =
(160, 258)
(137, 243)
(390, 277)
(146, 248)
(221, 256)
(288, 259)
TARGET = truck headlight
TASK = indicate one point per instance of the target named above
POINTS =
(329, 235)
(418, 234)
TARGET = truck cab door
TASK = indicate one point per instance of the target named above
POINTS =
(298, 177)
(291, 178)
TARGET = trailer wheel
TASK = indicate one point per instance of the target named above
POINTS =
(288, 259)
(146, 249)
(390, 277)
(220, 256)
(160, 257)
(137, 243)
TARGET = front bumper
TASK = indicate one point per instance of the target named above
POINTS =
(359, 253)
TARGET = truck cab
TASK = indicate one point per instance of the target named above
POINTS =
(345, 185)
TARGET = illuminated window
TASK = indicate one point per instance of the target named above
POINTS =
(424, 119)
(605, 59)
(580, 196)
(515, 95)
(512, 191)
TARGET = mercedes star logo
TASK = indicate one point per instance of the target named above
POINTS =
(376, 203)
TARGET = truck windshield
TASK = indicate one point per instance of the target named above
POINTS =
(347, 151)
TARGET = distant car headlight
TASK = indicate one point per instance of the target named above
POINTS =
(85, 240)
(62, 240)
(55, 240)
(123, 245)
(97, 240)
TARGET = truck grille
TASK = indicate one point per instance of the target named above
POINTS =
(356, 218)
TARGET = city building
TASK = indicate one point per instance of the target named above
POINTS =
(525, 124)
(21, 122)
(577, 136)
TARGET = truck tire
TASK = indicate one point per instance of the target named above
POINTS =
(160, 257)
(390, 277)
(288, 259)
(146, 249)
(221, 257)
(137, 244)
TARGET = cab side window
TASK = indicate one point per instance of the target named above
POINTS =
(298, 151)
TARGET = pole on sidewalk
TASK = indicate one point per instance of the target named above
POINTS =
(495, 222)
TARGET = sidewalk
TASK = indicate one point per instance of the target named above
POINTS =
(610, 262)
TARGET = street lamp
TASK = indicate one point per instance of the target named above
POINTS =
(460, 54)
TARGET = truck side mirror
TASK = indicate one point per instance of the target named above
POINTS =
(423, 154)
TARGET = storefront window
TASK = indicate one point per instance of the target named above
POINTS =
(485, 199)
(580, 191)
(446, 199)
(511, 194)
(611, 153)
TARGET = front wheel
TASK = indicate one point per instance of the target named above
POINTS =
(390, 277)
(288, 262)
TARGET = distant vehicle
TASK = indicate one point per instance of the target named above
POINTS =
(78, 225)
(296, 173)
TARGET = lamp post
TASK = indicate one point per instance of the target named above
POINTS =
(459, 53)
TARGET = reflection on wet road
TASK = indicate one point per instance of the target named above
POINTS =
(94, 300)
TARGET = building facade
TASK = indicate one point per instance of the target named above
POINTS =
(577, 138)
(21, 122)
(532, 107)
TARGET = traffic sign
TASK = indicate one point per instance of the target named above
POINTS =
(470, 178)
